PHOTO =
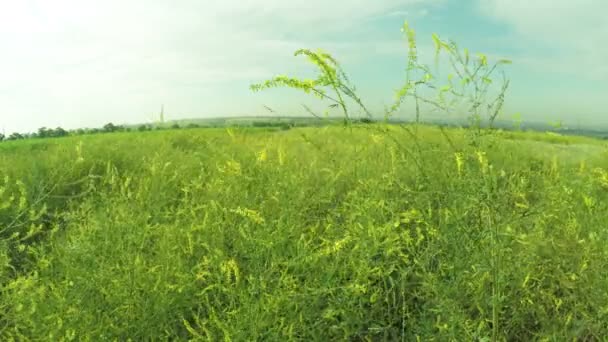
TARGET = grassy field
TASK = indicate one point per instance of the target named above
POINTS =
(311, 234)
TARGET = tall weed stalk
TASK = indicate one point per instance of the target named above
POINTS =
(467, 88)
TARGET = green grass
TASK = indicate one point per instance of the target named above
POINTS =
(310, 234)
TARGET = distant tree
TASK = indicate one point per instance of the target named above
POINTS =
(110, 127)
(2, 137)
(175, 126)
(143, 128)
(15, 136)
(60, 132)
(43, 132)
(192, 125)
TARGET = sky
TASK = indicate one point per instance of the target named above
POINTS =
(84, 63)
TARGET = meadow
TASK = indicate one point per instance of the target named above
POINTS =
(366, 231)
(323, 233)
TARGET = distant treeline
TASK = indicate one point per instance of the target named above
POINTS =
(277, 123)
(44, 132)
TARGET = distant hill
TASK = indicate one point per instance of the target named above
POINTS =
(246, 121)
(302, 121)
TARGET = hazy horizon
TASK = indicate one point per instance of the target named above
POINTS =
(83, 63)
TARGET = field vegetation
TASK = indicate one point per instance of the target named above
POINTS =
(365, 231)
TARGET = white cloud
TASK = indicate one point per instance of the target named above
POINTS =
(572, 34)
(62, 59)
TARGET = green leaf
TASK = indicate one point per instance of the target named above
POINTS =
(403, 91)
(437, 42)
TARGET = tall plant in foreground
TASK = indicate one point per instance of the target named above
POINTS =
(468, 87)
(332, 83)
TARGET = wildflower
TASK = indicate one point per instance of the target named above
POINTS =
(262, 155)
(79, 157)
(250, 214)
(483, 161)
(281, 154)
(589, 201)
(459, 162)
(230, 270)
(232, 167)
(602, 176)
(230, 133)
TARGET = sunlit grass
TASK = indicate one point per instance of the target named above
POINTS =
(307, 234)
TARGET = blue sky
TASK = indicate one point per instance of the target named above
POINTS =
(82, 63)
